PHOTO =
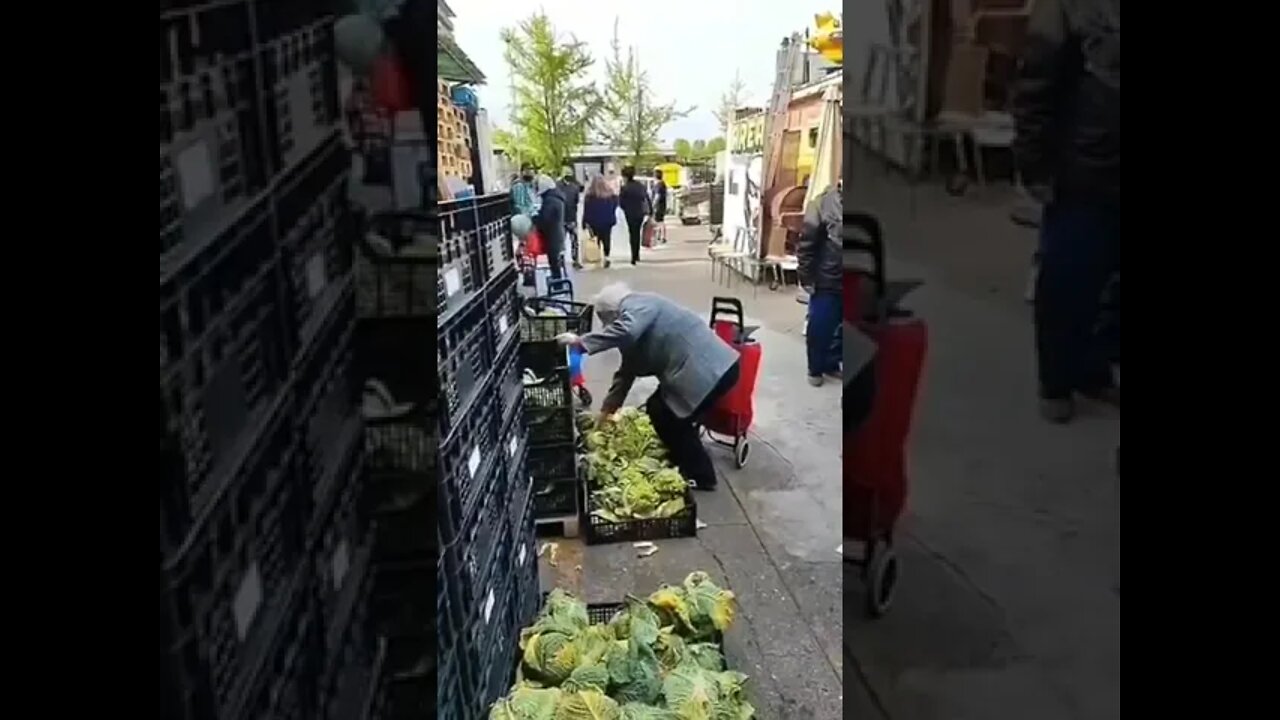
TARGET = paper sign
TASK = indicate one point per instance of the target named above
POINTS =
(244, 606)
(488, 606)
(523, 556)
(452, 281)
(502, 325)
(515, 444)
(195, 174)
(317, 277)
(473, 464)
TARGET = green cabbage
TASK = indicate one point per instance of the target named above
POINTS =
(524, 703)
(588, 705)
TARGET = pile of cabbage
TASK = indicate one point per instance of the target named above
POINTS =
(656, 659)
(627, 469)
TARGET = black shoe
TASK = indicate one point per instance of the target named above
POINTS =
(577, 266)
(705, 488)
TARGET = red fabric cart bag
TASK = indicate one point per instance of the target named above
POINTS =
(875, 469)
(734, 412)
(852, 294)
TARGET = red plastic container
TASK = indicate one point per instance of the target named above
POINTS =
(732, 416)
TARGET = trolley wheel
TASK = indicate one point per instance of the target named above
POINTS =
(741, 450)
(584, 396)
(882, 579)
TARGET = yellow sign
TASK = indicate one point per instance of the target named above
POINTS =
(748, 135)
(829, 39)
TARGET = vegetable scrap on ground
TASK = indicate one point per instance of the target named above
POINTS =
(656, 659)
(627, 469)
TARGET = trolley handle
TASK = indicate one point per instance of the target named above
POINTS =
(870, 242)
(559, 287)
(731, 307)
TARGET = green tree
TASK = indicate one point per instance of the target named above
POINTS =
(715, 146)
(684, 150)
(732, 99)
(632, 116)
(554, 103)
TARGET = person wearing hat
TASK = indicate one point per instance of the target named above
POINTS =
(550, 220)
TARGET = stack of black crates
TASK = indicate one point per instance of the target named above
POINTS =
(264, 543)
(549, 408)
(449, 272)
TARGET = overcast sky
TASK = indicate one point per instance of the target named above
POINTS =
(690, 48)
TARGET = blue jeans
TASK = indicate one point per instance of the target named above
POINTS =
(822, 337)
(1079, 254)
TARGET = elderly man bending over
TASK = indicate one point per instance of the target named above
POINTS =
(694, 367)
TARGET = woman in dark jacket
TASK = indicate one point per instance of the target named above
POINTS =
(600, 212)
(550, 223)
(634, 199)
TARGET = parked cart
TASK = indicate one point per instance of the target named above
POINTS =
(727, 423)
(563, 288)
(875, 471)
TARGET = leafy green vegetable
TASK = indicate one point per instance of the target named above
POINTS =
(650, 661)
(628, 472)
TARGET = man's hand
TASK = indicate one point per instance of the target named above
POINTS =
(569, 340)
(605, 416)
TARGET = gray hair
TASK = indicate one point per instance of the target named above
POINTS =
(544, 183)
(609, 300)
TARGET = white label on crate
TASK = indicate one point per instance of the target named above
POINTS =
(244, 606)
(317, 275)
(452, 281)
(195, 174)
(502, 325)
(473, 463)
(488, 606)
(513, 446)
(523, 556)
(341, 562)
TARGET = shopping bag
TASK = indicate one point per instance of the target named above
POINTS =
(533, 244)
(389, 84)
(591, 251)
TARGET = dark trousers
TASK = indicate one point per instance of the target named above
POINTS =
(634, 226)
(555, 260)
(605, 236)
(1079, 254)
(859, 397)
(825, 313)
(571, 234)
(681, 436)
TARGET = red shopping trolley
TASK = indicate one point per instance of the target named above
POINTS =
(728, 421)
(875, 466)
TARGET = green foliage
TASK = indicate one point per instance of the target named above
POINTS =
(555, 103)
(632, 116)
(698, 151)
(732, 99)
(627, 470)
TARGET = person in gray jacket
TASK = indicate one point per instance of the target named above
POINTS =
(694, 367)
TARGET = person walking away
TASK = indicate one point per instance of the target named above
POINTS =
(569, 189)
(550, 221)
(634, 200)
(659, 203)
(523, 195)
(1067, 114)
(600, 212)
(662, 339)
(821, 272)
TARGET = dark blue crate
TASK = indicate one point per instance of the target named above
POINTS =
(300, 85)
(509, 379)
(504, 304)
(463, 267)
(325, 385)
(497, 673)
(480, 538)
(553, 462)
(211, 126)
(317, 231)
(398, 276)
(489, 590)
(524, 561)
(465, 355)
(341, 552)
(224, 362)
(556, 499)
(493, 220)
(462, 459)
(225, 589)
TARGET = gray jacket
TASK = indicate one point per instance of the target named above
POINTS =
(659, 338)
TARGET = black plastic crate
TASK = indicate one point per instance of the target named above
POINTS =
(497, 673)
(316, 228)
(342, 549)
(536, 327)
(486, 590)
(211, 143)
(325, 386)
(224, 359)
(544, 360)
(401, 604)
(462, 262)
(525, 570)
(462, 459)
(476, 547)
(449, 701)
(598, 531)
(493, 218)
(396, 266)
(399, 527)
(224, 590)
(349, 641)
(300, 87)
(465, 355)
(553, 499)
(548, 410)
(504, 307)
(508, 380)
(554, 462)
